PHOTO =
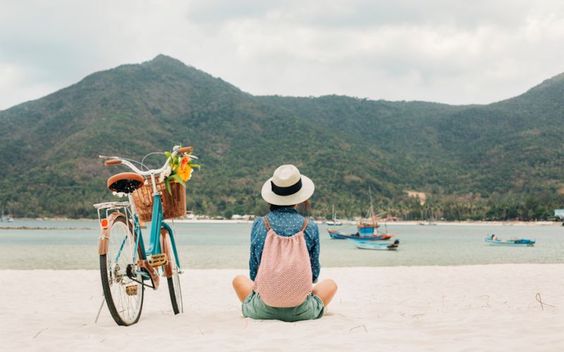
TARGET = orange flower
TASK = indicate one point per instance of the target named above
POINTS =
(184, 171)
(185, 160)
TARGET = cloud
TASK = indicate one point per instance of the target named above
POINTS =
(436, 50)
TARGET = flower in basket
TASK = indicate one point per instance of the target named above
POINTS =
(185, 170)
(179, 169)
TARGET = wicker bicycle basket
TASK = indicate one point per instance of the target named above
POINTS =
(174, 205)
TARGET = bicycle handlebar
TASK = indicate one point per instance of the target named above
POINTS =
(116, 160)
(112, 162)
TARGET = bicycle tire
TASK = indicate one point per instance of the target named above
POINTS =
(172, 274)
(119, 280)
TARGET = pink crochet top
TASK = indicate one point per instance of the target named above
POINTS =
(284, 276)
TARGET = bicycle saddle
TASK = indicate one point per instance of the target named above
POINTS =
(125, 182)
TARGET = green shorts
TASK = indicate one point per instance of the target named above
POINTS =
(254, 307)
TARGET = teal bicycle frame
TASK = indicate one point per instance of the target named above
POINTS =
(157, 223)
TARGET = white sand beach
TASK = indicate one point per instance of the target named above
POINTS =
(457, 308)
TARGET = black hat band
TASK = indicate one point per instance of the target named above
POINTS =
(286, 191)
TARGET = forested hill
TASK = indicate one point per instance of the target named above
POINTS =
(502, 160)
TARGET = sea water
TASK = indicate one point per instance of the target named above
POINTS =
(52, 244)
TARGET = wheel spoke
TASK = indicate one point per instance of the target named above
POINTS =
(121, 250)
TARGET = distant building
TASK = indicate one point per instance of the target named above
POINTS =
(559, 213)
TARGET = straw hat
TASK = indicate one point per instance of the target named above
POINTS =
(287, 187)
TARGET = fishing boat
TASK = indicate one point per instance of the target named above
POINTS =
(336, 235)
(379, 246)
(367, 228)
(6, 217)
(334, 221)
(492, 240)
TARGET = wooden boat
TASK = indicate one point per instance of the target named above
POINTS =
(379, 246)
(6, 217)
(334, 221)
(336, 235)
(492, 240)
(366, 228)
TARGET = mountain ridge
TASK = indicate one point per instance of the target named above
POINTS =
(348, 144)
(168, 60)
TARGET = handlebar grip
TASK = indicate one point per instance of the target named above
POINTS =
(112, 162)
(185, 150)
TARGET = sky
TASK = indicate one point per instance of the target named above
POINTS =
(449, 51)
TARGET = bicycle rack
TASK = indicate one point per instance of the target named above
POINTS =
(106, 208)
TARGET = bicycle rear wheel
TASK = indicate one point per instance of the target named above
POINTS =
(124, 296)
(172, 273)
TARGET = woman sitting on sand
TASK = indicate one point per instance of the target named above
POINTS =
(284, 258)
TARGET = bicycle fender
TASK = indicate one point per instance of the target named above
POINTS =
(105, 234)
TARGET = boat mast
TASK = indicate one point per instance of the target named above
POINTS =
(372, 215)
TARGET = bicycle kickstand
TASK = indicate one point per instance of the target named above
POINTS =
(100, 309)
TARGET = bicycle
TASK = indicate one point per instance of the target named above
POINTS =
(126, 265)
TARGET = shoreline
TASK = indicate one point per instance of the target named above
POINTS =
(17, 222)
(402, 223)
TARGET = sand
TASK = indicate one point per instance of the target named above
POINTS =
(462, 308)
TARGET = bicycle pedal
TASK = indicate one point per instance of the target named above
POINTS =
(158, 260)
(131, 290)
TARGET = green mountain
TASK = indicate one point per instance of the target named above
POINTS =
(496, 161)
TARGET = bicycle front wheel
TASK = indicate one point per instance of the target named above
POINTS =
(172, 273)
(123, 290)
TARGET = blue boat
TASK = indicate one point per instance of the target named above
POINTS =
(336, 235)
(379, 246)
(492, 240)
(367, 229)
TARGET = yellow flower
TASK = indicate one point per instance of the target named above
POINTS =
(185, 172)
